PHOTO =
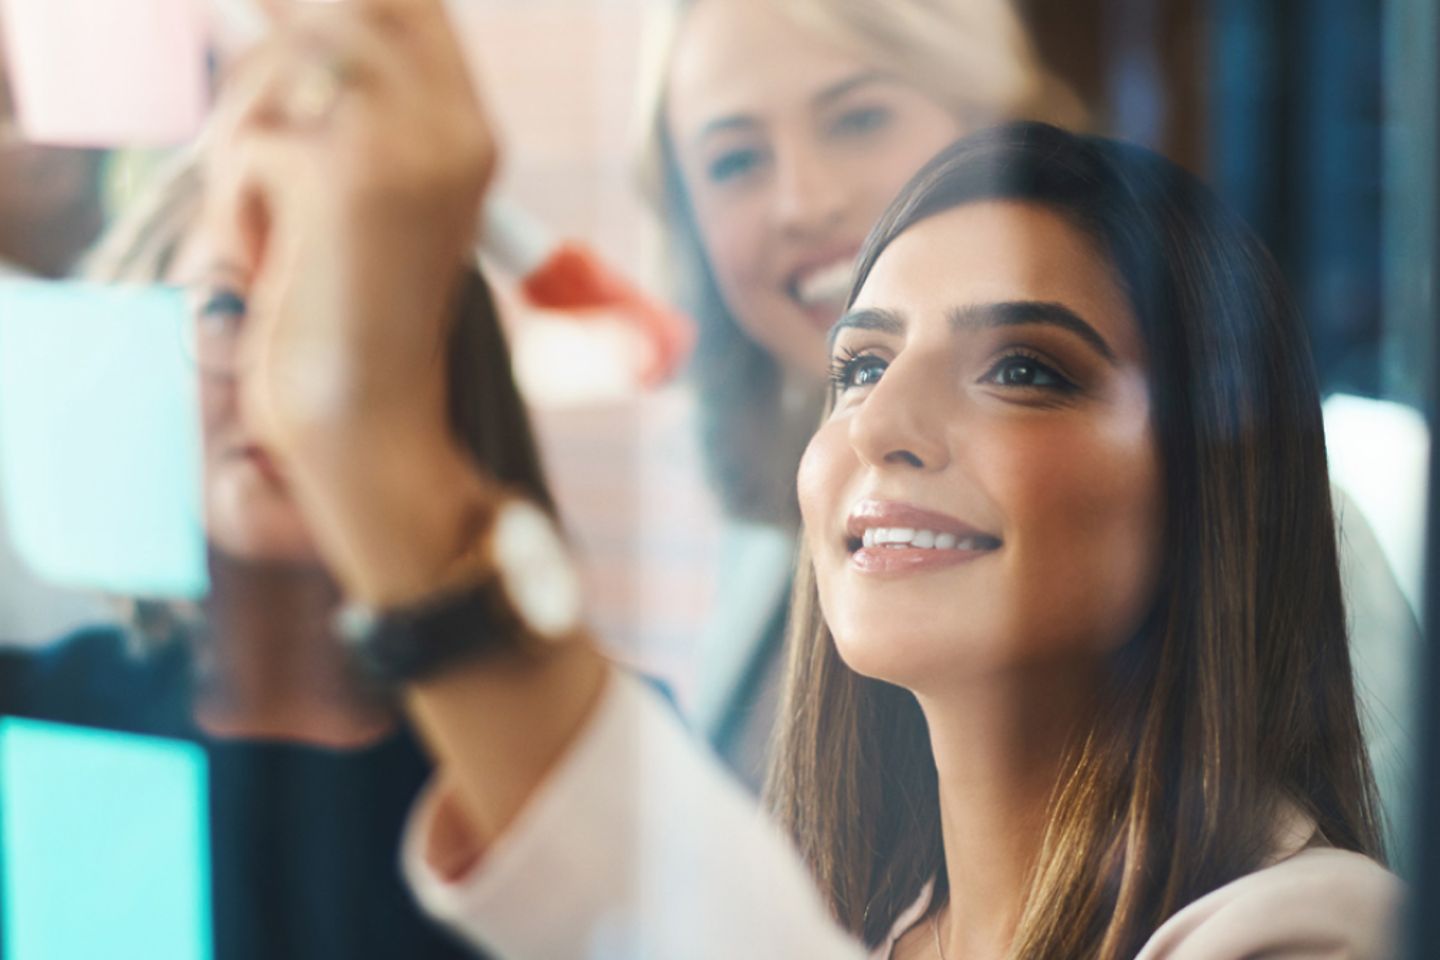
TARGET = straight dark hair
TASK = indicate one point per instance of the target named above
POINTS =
(1234, 698)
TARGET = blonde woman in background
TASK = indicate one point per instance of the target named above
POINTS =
(776, 131)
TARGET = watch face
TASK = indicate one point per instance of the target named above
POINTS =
(535, 569)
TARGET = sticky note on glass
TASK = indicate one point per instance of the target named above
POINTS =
(107, 73)
(106, 849)
(100, 449)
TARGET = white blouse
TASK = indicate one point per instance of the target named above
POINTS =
(639, 846)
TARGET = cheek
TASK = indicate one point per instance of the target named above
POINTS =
(1087, 515)
(823, 486)
(217, 411)
(733, 235)
(827, 465)
(247, 518)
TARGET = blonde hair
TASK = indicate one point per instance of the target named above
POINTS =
(972, 56)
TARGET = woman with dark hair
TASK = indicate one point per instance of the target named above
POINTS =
(1071, 678)
(1072, 345)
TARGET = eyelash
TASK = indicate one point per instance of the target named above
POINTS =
(733, 165)
(862, 121)
(222, 308)
(844, 367)
(859, 122)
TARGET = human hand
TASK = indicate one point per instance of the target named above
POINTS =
(344, 177)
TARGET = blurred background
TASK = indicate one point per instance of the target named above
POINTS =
(1316, 119)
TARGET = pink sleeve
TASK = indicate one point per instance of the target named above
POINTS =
(637, 846)
(1321, 904)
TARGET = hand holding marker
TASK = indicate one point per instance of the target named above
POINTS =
(552, 274)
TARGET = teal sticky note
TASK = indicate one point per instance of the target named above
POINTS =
(100, 462)
(106, 849)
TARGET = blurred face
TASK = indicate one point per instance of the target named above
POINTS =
(987, 492)
(790, 149)
(249, 514)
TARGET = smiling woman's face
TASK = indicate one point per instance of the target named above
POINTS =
(992, 413)
(789, 149)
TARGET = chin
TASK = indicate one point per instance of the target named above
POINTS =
(257, 544)
(944, 647)
(905, 658)
(259, 527)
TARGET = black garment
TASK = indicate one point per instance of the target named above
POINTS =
(304, 841)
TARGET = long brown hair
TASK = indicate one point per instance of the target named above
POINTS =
(1235, 696)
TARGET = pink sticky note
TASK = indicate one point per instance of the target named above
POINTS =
(107, 73)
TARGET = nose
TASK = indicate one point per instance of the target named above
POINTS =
(810, 195)
(904, 421)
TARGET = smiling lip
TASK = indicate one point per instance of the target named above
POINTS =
(899, 560)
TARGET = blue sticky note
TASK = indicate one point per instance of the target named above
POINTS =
(100, 463)
(106, 849)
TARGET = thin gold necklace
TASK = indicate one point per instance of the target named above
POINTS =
(935, 928)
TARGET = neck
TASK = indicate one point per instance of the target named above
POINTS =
(273, 669)
(1000, 745)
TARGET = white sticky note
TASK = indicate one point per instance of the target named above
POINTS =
(107, 73)
(100, 444)
(104, 845)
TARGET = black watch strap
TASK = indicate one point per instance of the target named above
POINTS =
(409, 644)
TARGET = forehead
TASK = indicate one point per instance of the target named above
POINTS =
(747, 57)
(996, 251)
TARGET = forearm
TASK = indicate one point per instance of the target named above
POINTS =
(636, 844)
(497, 727)
(406, 528)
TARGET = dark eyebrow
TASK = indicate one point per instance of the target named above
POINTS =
(1007, 313)
(837, 90)
(1016, 313)
(870, 318)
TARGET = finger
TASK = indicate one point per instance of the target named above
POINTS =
(426, 28)
(249, 184)
(369, 52)
(253, 90)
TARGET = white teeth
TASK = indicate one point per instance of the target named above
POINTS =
(921, 539)
(828, 285)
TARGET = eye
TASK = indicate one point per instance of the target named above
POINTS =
(1024, 371)
(221, 310)
(734, 164)
(861, 121)
(852, 370)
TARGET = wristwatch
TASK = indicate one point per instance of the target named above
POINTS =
(525, 588)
